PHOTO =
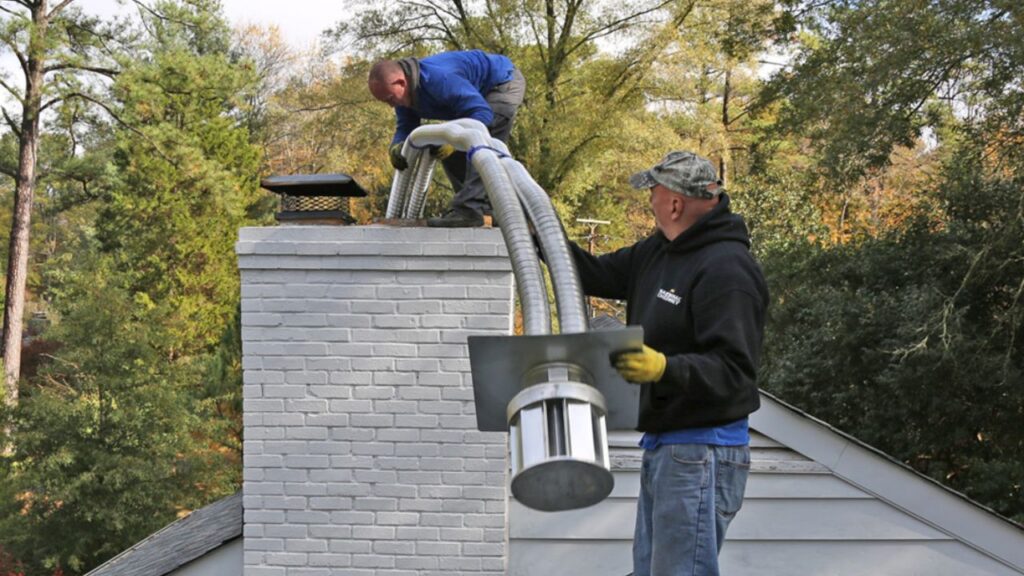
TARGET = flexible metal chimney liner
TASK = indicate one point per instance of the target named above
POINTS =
(565, 281)
(402, 184)
(508, 211)
(545, 389)
(419, 185)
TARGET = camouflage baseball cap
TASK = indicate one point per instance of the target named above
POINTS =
(682, 172)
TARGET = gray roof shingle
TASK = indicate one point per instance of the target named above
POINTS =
(180, 542)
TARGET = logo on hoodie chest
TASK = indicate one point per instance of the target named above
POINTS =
(669, 296)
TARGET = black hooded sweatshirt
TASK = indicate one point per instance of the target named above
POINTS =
(701, 300)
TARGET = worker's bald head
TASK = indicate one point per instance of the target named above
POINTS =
(385, 70)
(387, 83)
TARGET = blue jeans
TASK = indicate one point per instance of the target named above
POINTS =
(689, 493)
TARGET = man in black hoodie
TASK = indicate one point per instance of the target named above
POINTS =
(701, 298)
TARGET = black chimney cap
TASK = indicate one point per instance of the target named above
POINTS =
(334, 185)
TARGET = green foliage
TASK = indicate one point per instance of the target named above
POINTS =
(184, 188)
(74, 46)
(195, 26)
(906, 335)
(914, 341)
(136, 416)
(110, 441)
(860, 87)
(220, 398)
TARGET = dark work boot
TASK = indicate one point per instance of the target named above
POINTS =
(457, 218)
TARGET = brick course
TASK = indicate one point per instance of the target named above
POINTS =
(361, 451)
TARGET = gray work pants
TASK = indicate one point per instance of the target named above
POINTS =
(504, 100)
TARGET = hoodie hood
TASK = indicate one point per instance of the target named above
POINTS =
(411, 68)
(718, 225)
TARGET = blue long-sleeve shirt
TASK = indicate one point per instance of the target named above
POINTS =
(452, 85)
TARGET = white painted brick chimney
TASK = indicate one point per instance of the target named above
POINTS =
(362, 456)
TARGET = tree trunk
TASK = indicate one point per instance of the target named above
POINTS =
(545, 176)
(17, 264)
(727, 144)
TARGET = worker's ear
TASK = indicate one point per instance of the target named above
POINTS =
(678, 206)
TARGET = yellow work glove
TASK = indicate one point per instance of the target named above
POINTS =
(395, 155)
(441, 152)
(646, 365)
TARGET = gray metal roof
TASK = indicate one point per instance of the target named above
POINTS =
(892, 481)
(180, 542)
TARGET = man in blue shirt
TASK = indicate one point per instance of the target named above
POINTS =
(448, 86)
(701, 298)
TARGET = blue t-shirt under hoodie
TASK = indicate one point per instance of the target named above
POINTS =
(732, 434)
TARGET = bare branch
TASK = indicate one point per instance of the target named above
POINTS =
(13, 13)
(783, 65)
(619, 24)
(11, 123)
(146, 8)
(436, 8)
(120, 121)
(810, 7)
(746, 110)
(159, 16)
(441, 24)
(17, 95)
(462, 15)
(49, 103)
(572, 8)
(549, 20)
(58, 8)
(108, 72)
(465, 19)
(105, 39)
(503, 40)
(566, 162)
(536, 35)
(415, 25)
(16, 50)
(647, 55)
(314, 108)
